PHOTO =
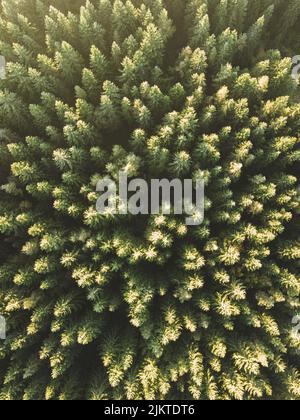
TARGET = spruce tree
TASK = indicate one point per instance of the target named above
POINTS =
(145, 307)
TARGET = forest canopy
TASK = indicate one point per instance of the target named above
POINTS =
(146, 307)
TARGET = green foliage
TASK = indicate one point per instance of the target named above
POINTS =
(126, 307)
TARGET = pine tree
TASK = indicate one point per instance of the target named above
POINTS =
(144, 307)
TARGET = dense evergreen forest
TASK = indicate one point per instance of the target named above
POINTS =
(145, 307)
